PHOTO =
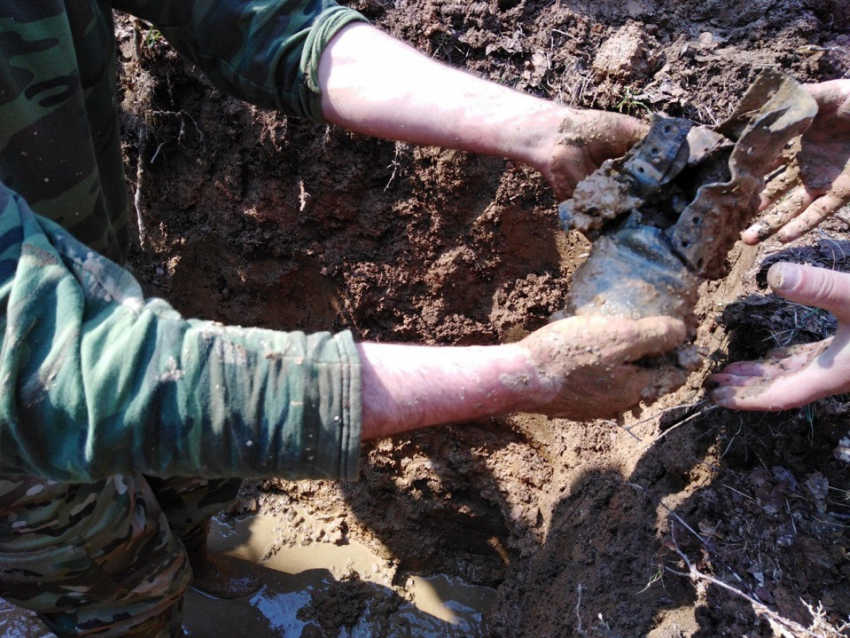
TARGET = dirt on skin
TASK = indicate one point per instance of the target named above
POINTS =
(249, 217)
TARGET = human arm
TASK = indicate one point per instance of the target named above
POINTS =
(374, 84)
(315, 59)
(816, 181)
(579, 368)
(794, 376)
(98, 381)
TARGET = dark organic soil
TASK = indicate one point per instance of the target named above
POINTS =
(250, 217)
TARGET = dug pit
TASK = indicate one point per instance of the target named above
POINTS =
(251, 218)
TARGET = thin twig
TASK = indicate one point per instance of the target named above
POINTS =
(138, 202)
(156, 154)
(674, 515)
(709, 546)
(746, 496)
(578, 609)
(629, 429)
(787, 628)
(681, 423)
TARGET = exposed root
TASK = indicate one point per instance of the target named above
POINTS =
(138, 203)
(820, 626)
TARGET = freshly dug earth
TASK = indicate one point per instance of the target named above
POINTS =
(253, 218)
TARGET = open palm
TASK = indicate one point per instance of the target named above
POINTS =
(816, 181)
(794, 376)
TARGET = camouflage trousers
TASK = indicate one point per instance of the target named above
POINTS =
(103, 559)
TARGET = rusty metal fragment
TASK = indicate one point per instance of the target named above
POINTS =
(664, 217)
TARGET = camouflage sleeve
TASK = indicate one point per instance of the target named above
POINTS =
(265, 52)
(98, 381)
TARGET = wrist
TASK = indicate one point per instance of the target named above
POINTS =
(560, 153)
(542, 388)
(584, 140)
(533, 136)
(519, 385)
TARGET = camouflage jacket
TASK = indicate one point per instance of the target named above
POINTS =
(95, 380)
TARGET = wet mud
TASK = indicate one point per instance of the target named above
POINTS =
(321, 589)
(315, 589)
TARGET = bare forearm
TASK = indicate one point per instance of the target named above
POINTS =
(374, 84)
(578, 368)
(408, 387)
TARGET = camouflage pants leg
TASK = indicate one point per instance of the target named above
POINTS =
(101, 559)
(190, 502)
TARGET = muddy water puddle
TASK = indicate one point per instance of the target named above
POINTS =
(306, 586)
(311, 586)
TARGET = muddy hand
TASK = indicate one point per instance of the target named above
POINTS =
(816, 181)
(586, 368)
(585, 140)
(797, 375)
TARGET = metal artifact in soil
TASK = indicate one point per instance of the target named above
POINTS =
(664, 216)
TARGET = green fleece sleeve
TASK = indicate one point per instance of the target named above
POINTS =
(263, 51)
(98, 381)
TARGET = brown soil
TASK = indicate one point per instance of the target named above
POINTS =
(253, 218)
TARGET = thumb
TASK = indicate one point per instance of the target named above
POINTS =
(812, 286)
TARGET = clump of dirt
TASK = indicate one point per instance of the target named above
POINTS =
(630, 55)
(250, 217)
(340, 606)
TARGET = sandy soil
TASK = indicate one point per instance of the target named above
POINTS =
(249, 217)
